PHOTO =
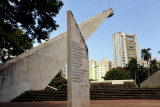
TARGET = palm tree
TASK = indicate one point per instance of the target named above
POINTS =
(133, 68)
(146, 55)
(141, 74)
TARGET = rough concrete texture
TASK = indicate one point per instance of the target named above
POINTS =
(152, 82)
(78, 69)
(34, 69)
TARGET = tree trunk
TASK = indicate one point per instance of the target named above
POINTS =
(135, 77)
(148, 68)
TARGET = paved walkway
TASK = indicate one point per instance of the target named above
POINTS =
(94, 103)
(125, 103)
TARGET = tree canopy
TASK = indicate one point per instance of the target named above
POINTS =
(35, 17)
(154, 66)
(116, 74)
(133, 70)
(146, 55)
(137, 72)
(12, 42)
(132, 67)
(23, 22)
(59, 81)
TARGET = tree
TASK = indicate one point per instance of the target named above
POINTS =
(146, 55)
(137, 72)
(133, 68)
(153, 66)
(115, 74)
(141, 75)
(34, 17)
(158, 63)
(12, 42)
(59, 81)
(119, 68)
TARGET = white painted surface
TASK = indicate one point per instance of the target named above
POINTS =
(124, 49)
(113, 81)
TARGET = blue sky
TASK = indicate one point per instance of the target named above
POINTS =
(139, 17)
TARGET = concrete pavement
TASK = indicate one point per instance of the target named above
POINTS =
(94, 103)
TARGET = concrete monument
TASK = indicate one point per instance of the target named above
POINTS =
(34, 69)
(152, 81)
(77, 61)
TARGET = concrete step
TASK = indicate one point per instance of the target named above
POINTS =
(98, 94)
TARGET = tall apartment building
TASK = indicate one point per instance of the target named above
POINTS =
(138, 51)
(97, 70)
(125, 47)
(111, 65)
(92, 64)
(100, 71)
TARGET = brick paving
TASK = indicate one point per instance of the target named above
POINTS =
(94, 103)
(125, 103)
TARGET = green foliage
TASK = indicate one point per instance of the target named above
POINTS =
(137, 72)
(146, 55)
(132, 67)
(154, 66)
(141, 75)
(116, 74)
(12, 42)
(59, 82)
(145, 87)
(158, 63)
(131, 71)
(35, 17)
(91, 80)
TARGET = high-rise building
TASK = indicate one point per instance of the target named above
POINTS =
(111, 65)
(92, 64)
(125, 47)
(138, 51)
(100, 71)
(97, 70)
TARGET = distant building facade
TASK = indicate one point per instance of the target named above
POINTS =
(144, 63)
(125, 47)
(92, 64)
(100, 71)
(64, 71)
(97, 70)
